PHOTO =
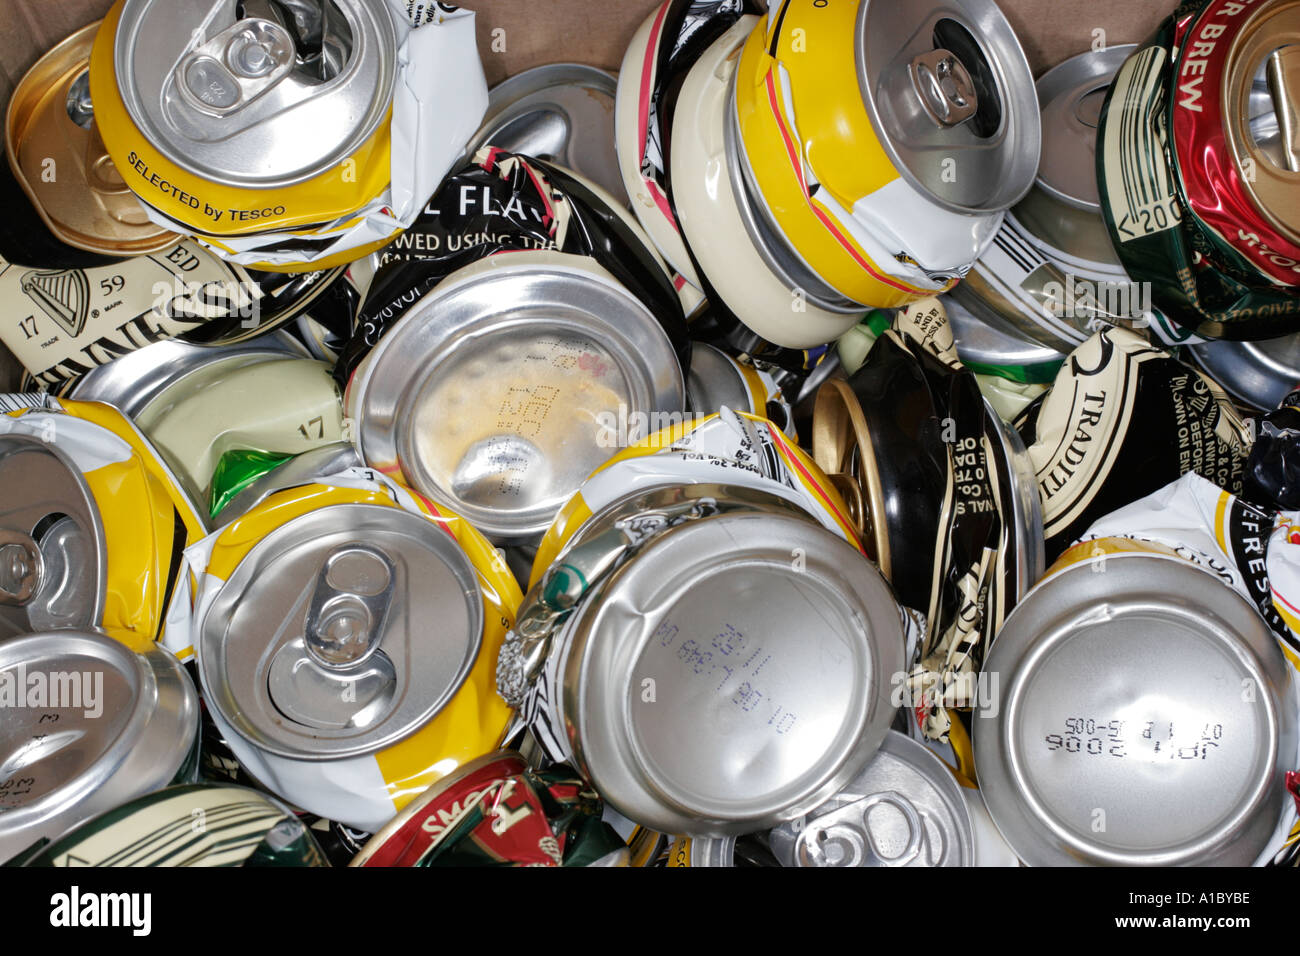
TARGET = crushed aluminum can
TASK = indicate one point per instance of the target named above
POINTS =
(93, 524)
(945, 492)
(496, 811)
(232, 122)
(719, 224)
(610, 675)
(1123, 419)
(196, 404)
(90, 723)
(188, 825)
(562, 113)
(842, 142)
(50, 125)
(350, 711)
(242, 483)
(1149, 142)
(1122, 713)
(661, 50)
(501, 415)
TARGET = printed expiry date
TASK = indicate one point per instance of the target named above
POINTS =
(1148, 739)
(727, 653)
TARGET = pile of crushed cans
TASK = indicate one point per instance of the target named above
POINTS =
(822, 445)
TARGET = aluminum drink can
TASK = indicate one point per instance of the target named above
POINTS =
(350, 708)
(88, 724)
(1137, 728)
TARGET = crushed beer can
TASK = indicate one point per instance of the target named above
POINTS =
(94, 523)
(1150, 729)
(943, 490)
(50, 126)
(89, 724)
(199, 824)
(496, 811)
(313, 625)
(1169, 157)
(848, 144)
(727, 530)
(286, 142)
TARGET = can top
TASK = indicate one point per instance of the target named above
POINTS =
(904, 809)
(342, 631)
(50, 124)
(1071, 96)
(948, 84)
(53, 564)
(85, 708)
(501, 413)
(716, 380)
(1118, 694)
(769, 644)
(257, 101)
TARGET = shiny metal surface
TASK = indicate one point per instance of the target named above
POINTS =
(299, 470)
(715, 380)
(758, 714)
(1027, 546)
(987, 341)
(1063, 209)
(495, 393)
(53, 562)
(132, 381)
(255, 654)
(1135, 726)
(231, 101)
(1260, 374)
(124, 725)
(893, 42)
(562, 113)
(904, 809)
(49, 127)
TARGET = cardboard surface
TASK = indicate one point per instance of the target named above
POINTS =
(516, 34)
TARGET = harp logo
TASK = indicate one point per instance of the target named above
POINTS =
(63, 295)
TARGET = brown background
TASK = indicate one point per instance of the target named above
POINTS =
(597, 31)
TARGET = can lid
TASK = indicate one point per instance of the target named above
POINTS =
(950, 82)
(375, 618)
(256, 101)
(1071, 96)
(771, 673)
(1121, 696)
(904, 809)
(52, 557)
(562, 113)
(90, 724)
(501, 413)
(50, 124)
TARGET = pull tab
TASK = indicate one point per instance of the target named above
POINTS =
(21, 568)
(236, 66)
(346, 616)
(1283, 73)
(844, 837)
(944, 87)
